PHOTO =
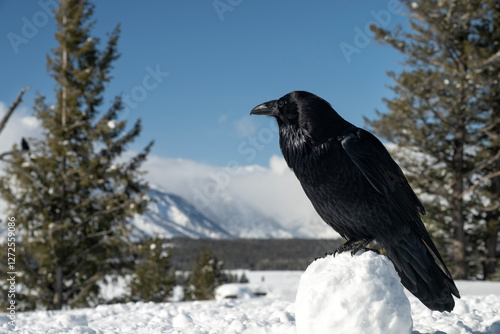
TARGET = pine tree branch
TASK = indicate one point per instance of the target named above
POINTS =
(31, 271)
(84, 288)
(77, 124)
(102, 212)
(83, 255)
(485, 164)
(487, 129)
(12, 108)
(436, 114)
(491, 208)
(478, 182)
(36, 183)
(100, 234)
(495, 58)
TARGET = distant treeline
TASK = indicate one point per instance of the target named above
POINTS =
(253, 254)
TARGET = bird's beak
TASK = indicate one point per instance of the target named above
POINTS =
(268, 109)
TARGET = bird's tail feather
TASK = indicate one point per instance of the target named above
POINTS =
(420, 273)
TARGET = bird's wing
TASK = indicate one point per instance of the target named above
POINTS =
(384, 174)
(377, 165)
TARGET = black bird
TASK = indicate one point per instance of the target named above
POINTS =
(24, 145)
(360, 191)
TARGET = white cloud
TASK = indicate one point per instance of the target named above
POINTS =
(30, 122)
(274, 190)
(278, 165)
(245, 126)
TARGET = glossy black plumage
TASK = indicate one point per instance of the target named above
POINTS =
(360, 191)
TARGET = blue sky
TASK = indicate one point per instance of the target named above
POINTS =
(220, 64)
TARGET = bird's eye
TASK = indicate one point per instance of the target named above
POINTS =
(281, 104)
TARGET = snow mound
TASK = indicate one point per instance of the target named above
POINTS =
(352, 294)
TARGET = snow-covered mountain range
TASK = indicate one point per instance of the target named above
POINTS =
(170, 215)
(194, 200)
(238, 201)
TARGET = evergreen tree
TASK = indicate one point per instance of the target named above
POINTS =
(446, 113)
(487, 185)
(154, 279)
(74, 194)
(207, 275)
(244, 278)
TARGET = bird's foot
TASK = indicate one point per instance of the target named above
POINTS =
(353, 246)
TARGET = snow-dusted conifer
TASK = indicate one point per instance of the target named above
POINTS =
(444, 120)
(153, 279)
(207, 274)
(74, 193)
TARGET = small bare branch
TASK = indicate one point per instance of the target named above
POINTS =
(10, 153)
(12, 108)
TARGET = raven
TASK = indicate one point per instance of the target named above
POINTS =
(359, 190)
(24, 145)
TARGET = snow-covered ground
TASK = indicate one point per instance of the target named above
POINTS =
(478, 311)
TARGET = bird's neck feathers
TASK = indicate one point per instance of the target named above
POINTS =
(294, 144)
(300, 150)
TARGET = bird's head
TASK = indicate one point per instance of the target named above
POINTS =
(303, 112)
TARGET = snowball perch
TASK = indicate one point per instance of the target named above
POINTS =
(352, 294)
